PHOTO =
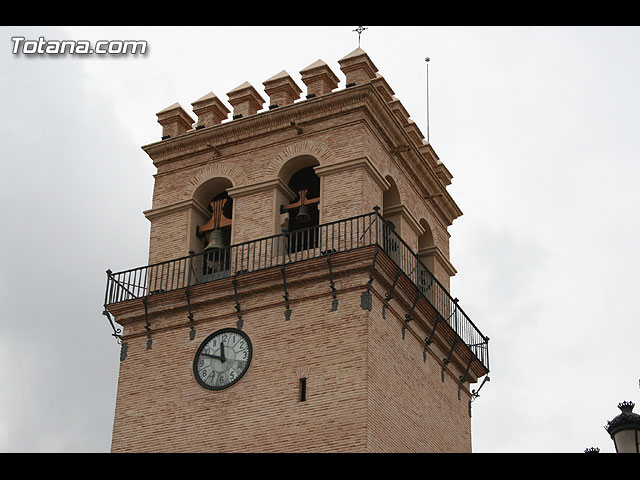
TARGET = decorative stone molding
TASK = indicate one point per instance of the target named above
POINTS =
(154, 213)
(443, 173)
(407, 216)
(399, 111)
(429, 153)
(225, 170)
(275, 183)
(362, 162)
(440, 257)
(196, 141)
(303, 147)
(414, 131)
(302, 371)
(383, 87)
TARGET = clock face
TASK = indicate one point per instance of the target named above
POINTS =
(222, 359)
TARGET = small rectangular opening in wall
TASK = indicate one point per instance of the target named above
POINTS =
(303, 389)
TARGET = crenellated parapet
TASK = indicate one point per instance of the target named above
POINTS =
(282, 90)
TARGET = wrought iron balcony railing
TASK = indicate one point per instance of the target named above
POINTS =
(289, 247)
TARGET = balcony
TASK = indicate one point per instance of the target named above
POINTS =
(364, 231)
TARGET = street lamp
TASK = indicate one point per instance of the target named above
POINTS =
(625, 429)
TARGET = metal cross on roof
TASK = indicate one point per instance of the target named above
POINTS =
(360, 30)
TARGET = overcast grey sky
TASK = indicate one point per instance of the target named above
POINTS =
(538, 125)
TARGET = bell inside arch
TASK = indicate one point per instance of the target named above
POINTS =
(303, 214)
(216, 240)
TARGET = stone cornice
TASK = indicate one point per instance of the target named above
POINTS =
(153, 213)
(267, 185)
(362, 162)
(262, 123)
(441, 257)
(407, 216)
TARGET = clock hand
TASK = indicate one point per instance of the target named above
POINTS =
(212, 356)
(222, 351)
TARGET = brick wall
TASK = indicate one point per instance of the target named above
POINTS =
(160, 406)
(368, 390)
(410, 408)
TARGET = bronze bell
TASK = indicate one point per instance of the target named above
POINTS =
(216, 240)
(303, 215)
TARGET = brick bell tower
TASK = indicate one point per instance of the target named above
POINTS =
(297, 293)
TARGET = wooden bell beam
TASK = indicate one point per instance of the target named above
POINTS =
(303, 201)
(218, 220)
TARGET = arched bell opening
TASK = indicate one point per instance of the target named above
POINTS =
(214, 229)
(391, 196)
(426, 246)
(303, 211)
(392, 213)
(426, 254)
(216, 233)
